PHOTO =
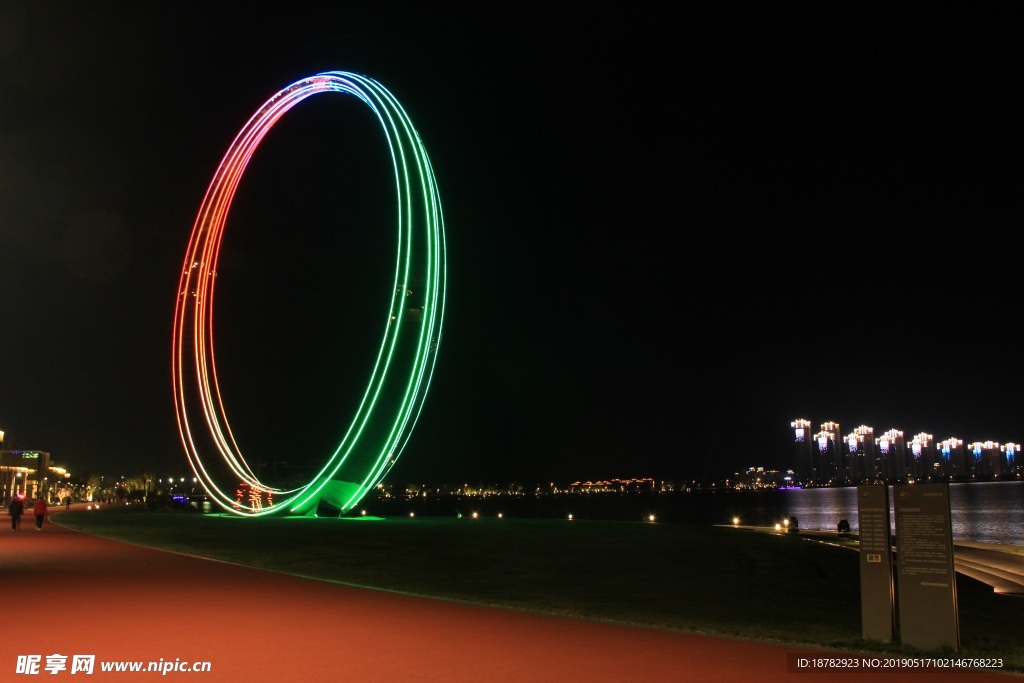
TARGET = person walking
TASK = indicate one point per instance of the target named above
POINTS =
(15, 509)
(40, 510)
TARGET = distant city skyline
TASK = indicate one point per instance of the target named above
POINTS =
(825, 457)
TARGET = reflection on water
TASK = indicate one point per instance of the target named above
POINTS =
(989, 512)
(985, 512)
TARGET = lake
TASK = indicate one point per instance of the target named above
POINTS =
(987, 512)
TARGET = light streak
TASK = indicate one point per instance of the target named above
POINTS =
(391, 403)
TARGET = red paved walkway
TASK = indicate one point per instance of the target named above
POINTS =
(74, 594)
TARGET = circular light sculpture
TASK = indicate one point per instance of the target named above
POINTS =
(411, 328)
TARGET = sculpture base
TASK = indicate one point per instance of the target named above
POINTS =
(332, 494)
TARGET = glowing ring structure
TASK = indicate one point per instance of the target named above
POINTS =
(391, 403)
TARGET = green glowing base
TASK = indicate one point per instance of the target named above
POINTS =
(333, 492)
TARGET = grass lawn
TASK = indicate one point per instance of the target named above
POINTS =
(700, 579)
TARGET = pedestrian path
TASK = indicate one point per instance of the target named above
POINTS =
(122, 604)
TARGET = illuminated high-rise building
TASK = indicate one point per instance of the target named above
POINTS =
(1012, 460)
(984, 461)
(852, 459)
(973, 459)
(867, 466)
(803, 453)
(951, 455)
(1009, 459)
(992, 455)
(825, 458)
(922, 457)
(829, 459)
(892, 456)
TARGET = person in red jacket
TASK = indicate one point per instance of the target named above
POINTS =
(40, 510)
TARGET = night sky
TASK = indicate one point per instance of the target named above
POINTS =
(670, 232)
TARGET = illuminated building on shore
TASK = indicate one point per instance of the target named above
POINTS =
(860, 465)
(851, 459)
(616, 485)
(861, 457)
(803, 453)
(892, 455)
(985, 457)
(922, 457)
(761, 478)
(1009, 461)
(951, 454)
(827, 454)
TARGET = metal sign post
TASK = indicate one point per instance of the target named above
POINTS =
(926, 578)
(877, 603)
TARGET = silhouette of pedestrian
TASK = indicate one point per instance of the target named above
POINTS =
(843, 528)
(40, 510)
(67, 503)
(15, 510)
